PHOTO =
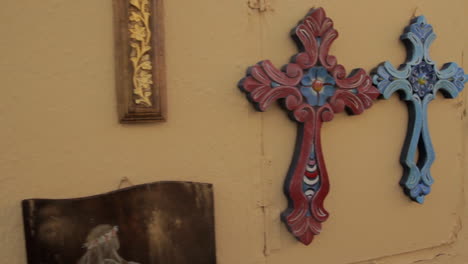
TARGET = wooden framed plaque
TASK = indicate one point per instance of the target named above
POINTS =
(162, 222)
(140, 68)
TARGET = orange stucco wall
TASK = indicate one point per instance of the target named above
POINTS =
(60, 137)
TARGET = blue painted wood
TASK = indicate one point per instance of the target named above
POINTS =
(417, 81)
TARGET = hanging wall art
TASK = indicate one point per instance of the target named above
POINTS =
(162, 222)
(312, 88)
(140, 69)
(418, 80)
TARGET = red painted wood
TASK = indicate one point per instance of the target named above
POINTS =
(307, 184)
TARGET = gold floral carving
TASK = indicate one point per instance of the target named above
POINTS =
(140, 41)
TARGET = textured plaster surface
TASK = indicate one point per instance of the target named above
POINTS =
(60, 137)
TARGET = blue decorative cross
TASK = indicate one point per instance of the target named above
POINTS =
(418, 81)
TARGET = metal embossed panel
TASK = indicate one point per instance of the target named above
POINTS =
(165, 222)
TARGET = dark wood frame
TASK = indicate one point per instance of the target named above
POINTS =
(129, 111)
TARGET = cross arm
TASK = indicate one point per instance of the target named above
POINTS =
(265, 84)
(452, 80)
(389, 80)
(355, 92)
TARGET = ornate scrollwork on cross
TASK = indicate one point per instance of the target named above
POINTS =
(312, 88)
(418, 81)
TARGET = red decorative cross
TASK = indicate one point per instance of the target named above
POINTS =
(312, 88)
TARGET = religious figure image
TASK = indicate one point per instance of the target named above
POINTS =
(102, 245)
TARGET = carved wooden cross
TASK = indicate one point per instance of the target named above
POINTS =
(312, 88)
(418, 81)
